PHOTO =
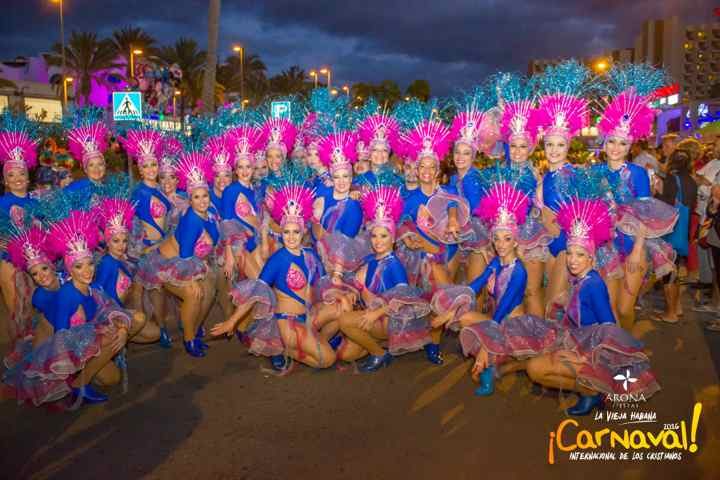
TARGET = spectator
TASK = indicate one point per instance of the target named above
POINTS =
(642, 157)
(677, 173)
(669, 143)
(695, 151)
(713, 240)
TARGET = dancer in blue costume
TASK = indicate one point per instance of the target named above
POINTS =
(167, 178)
(282, 297)
(380, 135)
(587, 349)
(87, 144)
(181, 263)
(389, 309)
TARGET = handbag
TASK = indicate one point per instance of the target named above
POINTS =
(679, 237)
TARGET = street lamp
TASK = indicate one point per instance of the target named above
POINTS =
(328, 72)
(66, 80)
(62, 36)
(334, 91)
(175, 95)
(133, 52)
(601, 66)
(346, 89)
(314, 74)
(241, 51)
(407, 99)
(244, 103)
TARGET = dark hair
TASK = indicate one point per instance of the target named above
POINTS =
(679, 161)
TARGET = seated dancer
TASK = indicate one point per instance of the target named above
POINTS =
(180, 265)
(435, 221)
(87, 144)
(642, 219)
(18, 156)
(587, 349)
(282, 296)
(114, 273)
(337, 216)
(81, 329)
(503, 208)
(390, 309)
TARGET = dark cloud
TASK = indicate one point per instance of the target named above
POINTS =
(451, 42)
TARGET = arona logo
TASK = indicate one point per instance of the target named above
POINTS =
(625, 379)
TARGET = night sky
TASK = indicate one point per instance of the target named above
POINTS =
(452, 43)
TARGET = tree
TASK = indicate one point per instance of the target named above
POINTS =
(87, 58)
(360, 92)
(419, 89)
(132, 38)
(191, 60)
(387, 93)
(208, 90)
(256, 82)
(290, 82)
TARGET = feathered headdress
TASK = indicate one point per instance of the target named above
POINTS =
(520, 119)
(219, 149)
(17, 150)
(379, 131)
(88, 142)
(194, 170)
(291, 204)
(29, 248)
(628, 115)
(428, 139)
(338, 151)
(143, 145)
(243, 142)
(587, 223)
(362, 150)
(503, 207)
(74, 237)
(278, 133)
(115, 215)
(562, 110)
(382, 207)
(476, 123)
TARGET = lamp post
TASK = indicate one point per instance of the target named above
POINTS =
(133, 52)
(175, 95)
(241, 51)
(601, 66)
(333, 91)
(244, 103)
(62, 41)
(346, 89)
(314, 74)
(66, 80)
(328, 72)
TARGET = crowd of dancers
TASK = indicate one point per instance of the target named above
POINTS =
(330, 237)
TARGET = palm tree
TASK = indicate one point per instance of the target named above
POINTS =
(87, 58)
(256, 83)
(419, 89)
(290, 82)
(186, 55)
(211, 63)
(130, 38)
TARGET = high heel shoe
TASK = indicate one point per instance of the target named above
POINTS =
(487, 382)
(433, 353)
(376, 362)
(193, 349)
(89, 395)
(585, 405)
(199, 335)
(165, 340)
(280, 362)
(335, 341)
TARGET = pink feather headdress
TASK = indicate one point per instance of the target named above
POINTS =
(562, 115)
(143, 145)
(243, 142)
(587, 223)
(17, 150)
(362, 150)
(30, 248)
(520, 119)
(627, 116)
(465, 128)
(382, 207)
(171, 149)
(429, 138)
(219, 150)
(291, 204)
(74, 237)
(379, 130)
(503, 207)
(194, 170)
(115, 215)
(89, 142)
(278, 133)
(338, 151)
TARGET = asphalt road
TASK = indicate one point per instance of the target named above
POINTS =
(226, 416)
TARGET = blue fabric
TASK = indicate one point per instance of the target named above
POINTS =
(9, 200)
(229, 199)
(45, 302)
(274, 273)
(142, 195)
(191, 227)
(322, 182)
(405, 193)
(106, 276)
(680, 236)
(553, 196)
(78, 185)
(393, 273)
(470, 187)
(418, 198)
(351, 220)
(69, 300)
(514, 292)
(594, 301)
(367, 178)
(215, 199)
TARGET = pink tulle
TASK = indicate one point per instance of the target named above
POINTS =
(503, 206)
(382, 206)
(379, 129)
(338, 150)
(17, 149)
(629, 116)
(194, 170)
(563, 115)
(115, 215)
(143, 144)
(88, 142)
(278, 132)
(429, 138)
(520, 119)
(588, 223)
(29, 248)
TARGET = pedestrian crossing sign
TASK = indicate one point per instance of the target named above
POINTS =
(280, 109)
(127, 106)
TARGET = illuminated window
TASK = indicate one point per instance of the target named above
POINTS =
(43, 109)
